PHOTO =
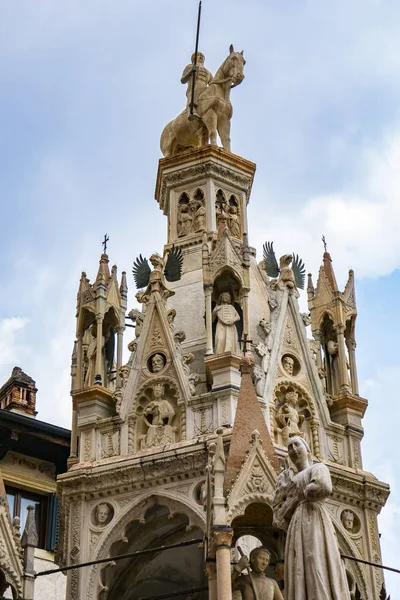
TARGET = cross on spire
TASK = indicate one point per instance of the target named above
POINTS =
(324, 243)
(104, 243)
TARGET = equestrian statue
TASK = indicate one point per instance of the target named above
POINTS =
(212, 108)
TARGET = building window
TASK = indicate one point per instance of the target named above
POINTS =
(18, 502)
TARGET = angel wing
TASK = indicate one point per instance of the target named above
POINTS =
(299, 271)
(271, 264)
(173, 267)
(141, 272)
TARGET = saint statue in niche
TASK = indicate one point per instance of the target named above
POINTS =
(185, 220)
(234, 222)
(288, 418)
(91, 355)
(226, 335)
(313, 567)
(158, 416)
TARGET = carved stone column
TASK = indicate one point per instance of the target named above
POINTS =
(211, 570)
(223, 539)
(79, 362)
(351, 348)
(344, 381)
(208, 293)
(99, 349)
(119, 331)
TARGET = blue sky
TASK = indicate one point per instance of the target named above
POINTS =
(87, 88)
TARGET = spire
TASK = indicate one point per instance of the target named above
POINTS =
(329, 272)
(104, 272)
(249, 417)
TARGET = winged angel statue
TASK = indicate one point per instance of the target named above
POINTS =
(291, 276)
(172, 269)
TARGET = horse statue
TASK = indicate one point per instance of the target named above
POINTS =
(214, 108)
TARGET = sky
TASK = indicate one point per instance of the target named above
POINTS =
(86, 89)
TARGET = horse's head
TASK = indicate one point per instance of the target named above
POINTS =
(234, 65)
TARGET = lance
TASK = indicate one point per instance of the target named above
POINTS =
(250, 575)
(196, 49)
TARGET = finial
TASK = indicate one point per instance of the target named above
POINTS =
(104, 243)
(324, 243)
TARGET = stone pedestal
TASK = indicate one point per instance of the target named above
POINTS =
(223, 371)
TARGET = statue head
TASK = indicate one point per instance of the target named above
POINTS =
(225, 298)
(292, 397)
(298, 449)
(288, 364)
(200, 58)
(158, 391)
(102, 513)
(259, 559)
(157, 363)
(348, 520)
(332, 347)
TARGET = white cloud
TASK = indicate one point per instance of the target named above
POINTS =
(362, 229)
(10, 345)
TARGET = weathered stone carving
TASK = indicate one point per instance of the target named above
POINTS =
(157, 363)
(313, 566)
(199, 220)
(234, 222)
(91, 354)
(192, 378)
(288, 364)
(267, 589)
(259, 380)
(185, 220)
(102, 514)
(288, 418)
(226, 335)
(350, 521)
(158, 416)
(214, 111)
(203, 78)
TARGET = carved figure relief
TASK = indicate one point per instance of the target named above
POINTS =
(203, 421)
(156, 362)
(259, 380)
(226, 335)
(287, 417)
(109, 444)
(191, 214)
(199, 210)
(291, 415)
(350, 521)
(185, 219)
(192, 378)
(234, 222)
(290, 365)
(158, 417)
(102, 514)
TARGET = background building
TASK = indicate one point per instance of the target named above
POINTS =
(32, 454)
